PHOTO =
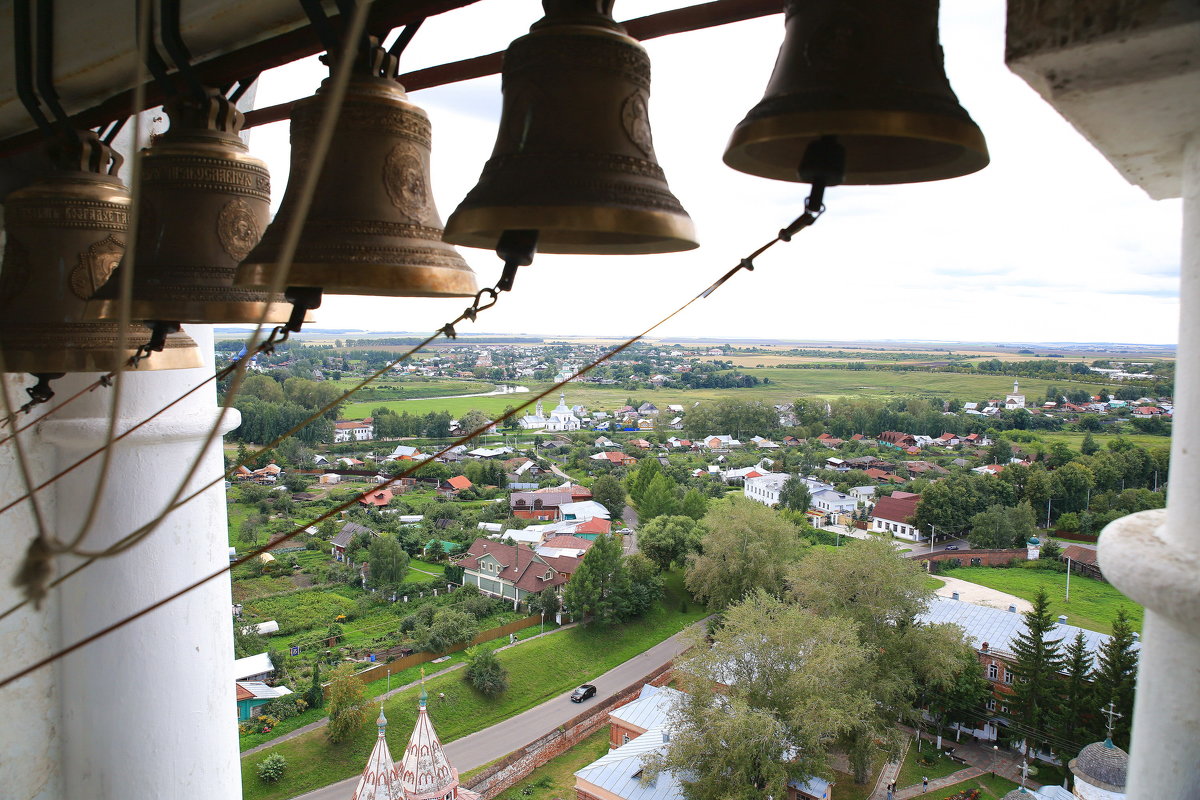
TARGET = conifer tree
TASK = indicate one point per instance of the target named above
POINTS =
(640, 479)
(600, 586)
(1077, 698)
(315, 696)
(1116, 672)
(1037, 690)
(1089, 446)
(658, 500)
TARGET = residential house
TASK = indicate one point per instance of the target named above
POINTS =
(863, 494)
(642, 443)
(925, 467)
(721, 442)
(583, 510)
(345, 536)
(353, 430)
(647, 409)
(765, 488)
(329, 479)
(681, 443)
(564, 545)
(403, 453)
(456, 484)
(512, 571)
(992, 632)
(537, 505)
(894, 515)
(829, 441)
(253, 695)
(578, 493)
(837, 465)
(614, 457)
(833, 504)
(898, 439)
(378, 498)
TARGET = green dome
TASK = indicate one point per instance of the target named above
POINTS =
(1033, 540)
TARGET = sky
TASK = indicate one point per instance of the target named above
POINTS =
(1047, 244)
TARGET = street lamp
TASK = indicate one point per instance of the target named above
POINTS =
(932, 535)
(543, 629)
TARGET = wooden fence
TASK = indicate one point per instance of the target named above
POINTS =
(379, 669)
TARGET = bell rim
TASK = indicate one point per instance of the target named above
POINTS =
(481, 227)
(97, 359)
(884, 123)
(197, 312)
(361, 279)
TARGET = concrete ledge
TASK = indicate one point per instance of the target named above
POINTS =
(1138, 560)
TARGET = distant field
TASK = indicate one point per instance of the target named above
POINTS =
(1075, 440)
(400, 389)
(1093, 604)
(786, 385)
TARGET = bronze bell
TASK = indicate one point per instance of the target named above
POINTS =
(65, 236)
(373, 228)
(870, 74)
(204, 205)
(574, 158)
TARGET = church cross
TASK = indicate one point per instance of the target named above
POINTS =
(1111, 712)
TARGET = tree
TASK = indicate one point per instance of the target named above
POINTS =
(448, 628)
(315, 695)
(694, 504)
(346, 701)
(660, 498)
(600, 586)
(639, 480)
(645, 584)
(1077, 695)
(956, 697)
(1115, 675)
(746, 546)
(1001, 528)
(669, 540)
(545, 602)
(1036, 691)
(1089, 446)
(795, 494)
(608, 492)
(791, 685)
(389, 562)
(473, 420)
(485, 671)
(295, 482)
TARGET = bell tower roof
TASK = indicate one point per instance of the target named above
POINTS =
(425, 772)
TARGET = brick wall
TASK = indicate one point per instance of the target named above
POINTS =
(520, 763)
(987, 558)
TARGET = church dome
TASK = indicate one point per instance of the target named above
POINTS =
(1102, 764)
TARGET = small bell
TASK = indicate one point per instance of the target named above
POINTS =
(204, 205)
(65, 236)
(868, 73)
(574, 159)
(373, 228)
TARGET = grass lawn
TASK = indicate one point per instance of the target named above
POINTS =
(912, 770)
(932, 583)
(556, 778)
(990, 787)
(537, 670)
(437, 569)
(1074, 440)
(1093, 604)
(385, 388)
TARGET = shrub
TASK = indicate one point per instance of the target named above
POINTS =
(271, 768)
(485, 672)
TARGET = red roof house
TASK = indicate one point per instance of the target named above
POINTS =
(377, 499)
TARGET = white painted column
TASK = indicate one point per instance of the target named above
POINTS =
(149, 710)
(1154, 557)
(29, 741)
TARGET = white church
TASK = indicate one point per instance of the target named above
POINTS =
(562, 418)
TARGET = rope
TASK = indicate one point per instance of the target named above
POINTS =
(747, 263)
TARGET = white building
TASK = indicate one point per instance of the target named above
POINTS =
(765, 489)
(1014, 399)
(833, 503)
(353, 430)
(562, 418)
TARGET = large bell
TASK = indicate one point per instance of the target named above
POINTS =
(574, 158)
(870, 74)
(373, 228)
(65, 236)
(204, 205)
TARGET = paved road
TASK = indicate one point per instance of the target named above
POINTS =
(502, 738)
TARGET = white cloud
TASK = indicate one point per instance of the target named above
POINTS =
(1047, 243)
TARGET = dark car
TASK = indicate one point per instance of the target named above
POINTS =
(583, 693)
(951, 547)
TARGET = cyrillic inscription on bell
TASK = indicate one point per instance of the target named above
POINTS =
(574, 156)
(373, 228)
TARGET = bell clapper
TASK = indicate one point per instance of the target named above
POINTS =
(823, 165)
